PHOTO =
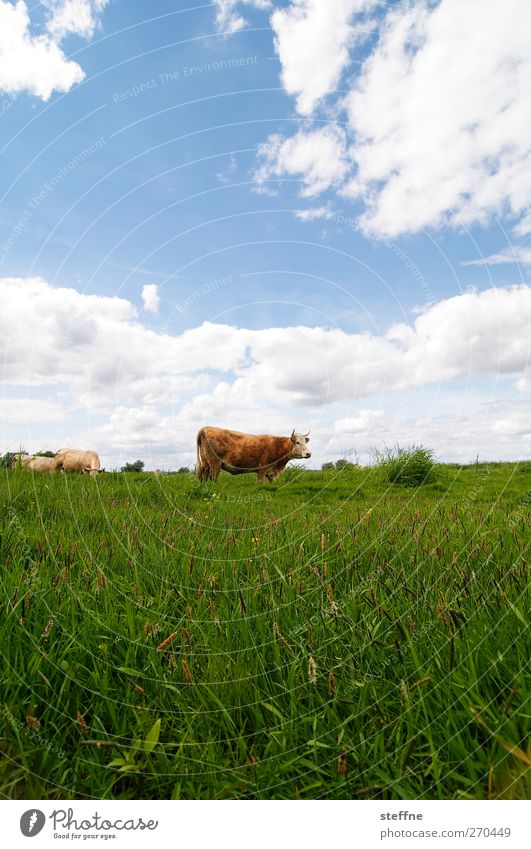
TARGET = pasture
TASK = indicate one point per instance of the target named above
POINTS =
(331, 636)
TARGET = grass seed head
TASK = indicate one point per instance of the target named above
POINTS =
(45, 634)
(342, 765)
(168, 641)
(186, 671)
(81, 721)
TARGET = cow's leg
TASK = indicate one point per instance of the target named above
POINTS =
(210, 463)
(260, 475)
(213, 468)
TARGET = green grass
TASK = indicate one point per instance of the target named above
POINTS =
(330, 636)
(410, 466)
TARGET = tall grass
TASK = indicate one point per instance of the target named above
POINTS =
(329, 636)
(411, 466)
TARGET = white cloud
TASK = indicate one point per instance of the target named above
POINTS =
(316, 212)
(516, 253)
(317, 156)
(37, 63)
(27, 409)
(441, 116)
(31, 63)
(438, 111)
(79, 17)
(150, 297)
(228, 17)
(97, 345)
(313, 40)
(499, 431)
(91, 356)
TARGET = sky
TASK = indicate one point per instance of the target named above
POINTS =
(307, 214)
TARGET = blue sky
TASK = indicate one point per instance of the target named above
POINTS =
(327, 203)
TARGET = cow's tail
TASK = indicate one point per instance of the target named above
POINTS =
(199, 464)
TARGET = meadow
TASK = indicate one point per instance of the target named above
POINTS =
(331, 636)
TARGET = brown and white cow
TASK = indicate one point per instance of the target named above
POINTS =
(75, 460)
(238, 453)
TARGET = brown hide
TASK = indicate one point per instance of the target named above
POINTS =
(239, 453)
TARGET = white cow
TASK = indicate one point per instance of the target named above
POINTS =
(40, 464)
(20, 460)
(76, 460)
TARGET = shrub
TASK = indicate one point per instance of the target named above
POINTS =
(7, 459)
(137, 466)
(411, 466)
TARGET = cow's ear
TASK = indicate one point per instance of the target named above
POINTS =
(307, 438)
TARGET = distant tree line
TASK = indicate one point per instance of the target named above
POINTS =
(138, 466)
(338, 466)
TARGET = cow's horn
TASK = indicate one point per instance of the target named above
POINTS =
(293, 433)
(306, 434)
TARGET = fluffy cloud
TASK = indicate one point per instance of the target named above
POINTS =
(155, 389)
(96, 348)
(438, 111)
(441, 116)
(318, 157)
(228, 17)
(97, 344)
(78, 17)
(31, 63)
(36, 63)
(313, 40)
(28, 409)
(150, 297)
(498, 431)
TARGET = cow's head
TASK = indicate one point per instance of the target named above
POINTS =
(93, 472)
(299, 443)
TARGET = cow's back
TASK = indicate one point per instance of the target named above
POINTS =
(72, 460)
(41, 464)
(244, 451)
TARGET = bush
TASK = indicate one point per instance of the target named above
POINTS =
(342, 465)
(411, 466)
(6, 460)
(137, 466)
